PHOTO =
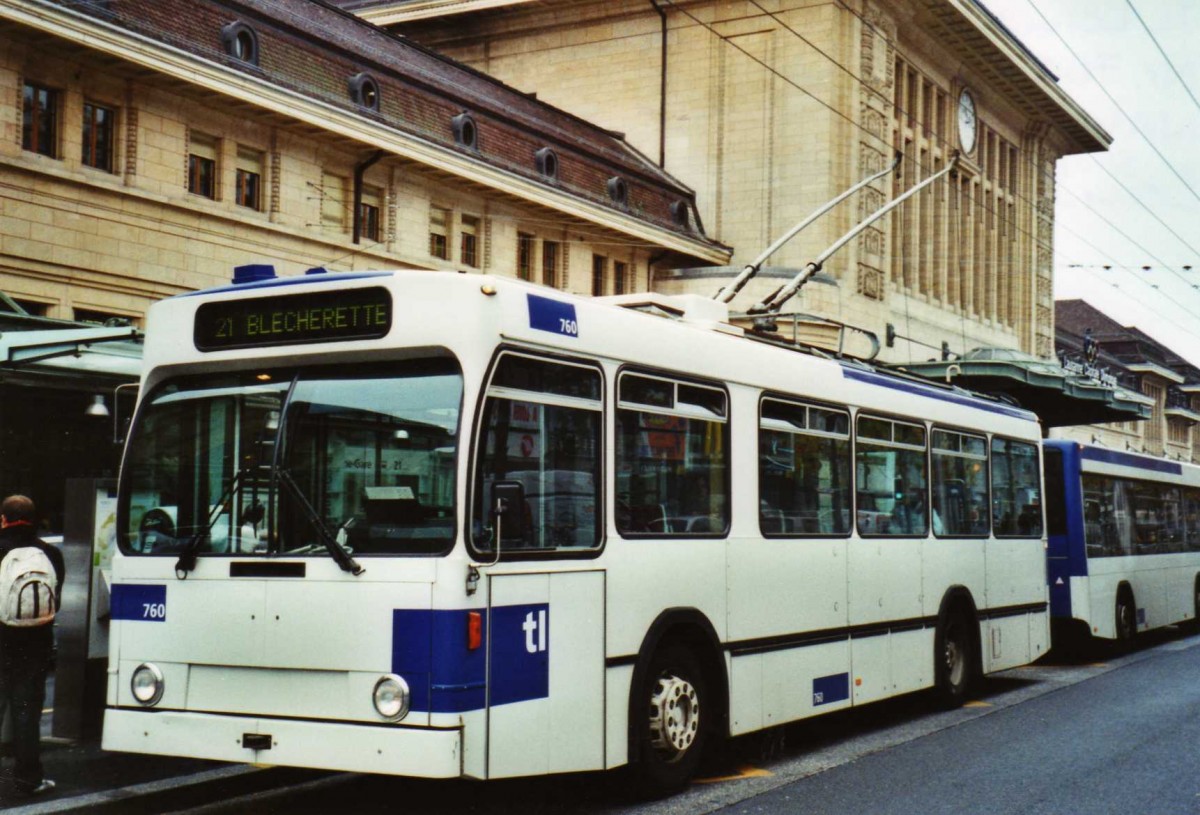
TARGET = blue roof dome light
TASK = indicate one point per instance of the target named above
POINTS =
(253, 273)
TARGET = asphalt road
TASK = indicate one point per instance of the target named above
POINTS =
(1120, 735)
(1126, 741)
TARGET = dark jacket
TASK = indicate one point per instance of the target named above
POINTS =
(41, 637)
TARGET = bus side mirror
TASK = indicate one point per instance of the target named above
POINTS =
(508, 509)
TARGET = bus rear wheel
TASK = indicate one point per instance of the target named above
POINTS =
(952, 660)
(1195, 621)
(675, 705)
(1126, 620)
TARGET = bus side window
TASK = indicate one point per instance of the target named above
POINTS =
(1056, 492)
(890, 476)
(672, 458)
(803, 469)
(959, 484)
(1016, 489)
(541, 432)
(1191, 519)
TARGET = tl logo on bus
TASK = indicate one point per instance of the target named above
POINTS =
(535, 631)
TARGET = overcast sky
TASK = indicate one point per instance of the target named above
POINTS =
(1128, 208)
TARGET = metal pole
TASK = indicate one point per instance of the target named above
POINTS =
(729, 291)
(773, 304)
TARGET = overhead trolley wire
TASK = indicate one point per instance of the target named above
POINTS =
(937, 137)
(1166, 59)
(1116, 104)
(1029, 163)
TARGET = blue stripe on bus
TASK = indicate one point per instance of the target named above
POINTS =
(1130, 460)
(134, 601)
(295, 280)
(936, 393)
(429, 649)
(829, 689)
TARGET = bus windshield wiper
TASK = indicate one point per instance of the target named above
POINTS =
(336, 550)
(187, 555)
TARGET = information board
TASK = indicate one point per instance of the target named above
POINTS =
(293, 319)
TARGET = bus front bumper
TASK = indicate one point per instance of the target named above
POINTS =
(388, 750)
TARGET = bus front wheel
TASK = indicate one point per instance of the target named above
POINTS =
(952, 660)
(676, 710)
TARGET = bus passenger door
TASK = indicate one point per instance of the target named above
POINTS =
(545, 673)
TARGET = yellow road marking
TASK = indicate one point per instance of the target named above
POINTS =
(743, 772)
(977, 704)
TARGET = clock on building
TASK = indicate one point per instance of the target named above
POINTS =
(967, 123)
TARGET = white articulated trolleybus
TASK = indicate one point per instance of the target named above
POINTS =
(443, 525)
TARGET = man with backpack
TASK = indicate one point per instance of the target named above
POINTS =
(31, 578)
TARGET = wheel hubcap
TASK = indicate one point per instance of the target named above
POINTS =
(674, 716)
(955, 664)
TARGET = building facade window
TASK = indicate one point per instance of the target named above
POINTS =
(369, 207)
(525, 249)
(32, 307)
(96, 317)
(956, 243)
(469, 245)
(618, 191)
(241, 42)
(333, 202)
(465, 131)
(202, 165)
(547, 163)
(620, 273)
(550, 251)
(1177, 431)
(599, 267)
(98, 125)
(364, 90)
(1196, 435)
(439, 227)
(1153, 441)
(249, 178)
(39, 121)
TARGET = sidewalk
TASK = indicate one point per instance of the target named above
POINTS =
(89, 778)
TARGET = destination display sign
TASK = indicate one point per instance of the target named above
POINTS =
(294, 319)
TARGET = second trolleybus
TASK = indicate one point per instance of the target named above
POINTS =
(446, 526)
(1124, 541)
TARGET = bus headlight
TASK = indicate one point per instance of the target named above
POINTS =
(147, 684)
(391, 697)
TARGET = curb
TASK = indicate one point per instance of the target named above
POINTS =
(92, 801)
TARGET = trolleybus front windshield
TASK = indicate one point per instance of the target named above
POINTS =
(370, 450)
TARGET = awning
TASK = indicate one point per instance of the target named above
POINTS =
(1059, 398)
(113, 352)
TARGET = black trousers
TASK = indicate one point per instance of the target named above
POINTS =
(23, 690)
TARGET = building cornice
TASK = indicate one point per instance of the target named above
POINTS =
(405, 11)
(1019, 66)
(1084, 133)
(157, 56)
(1187, 414)
(1155, 370)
